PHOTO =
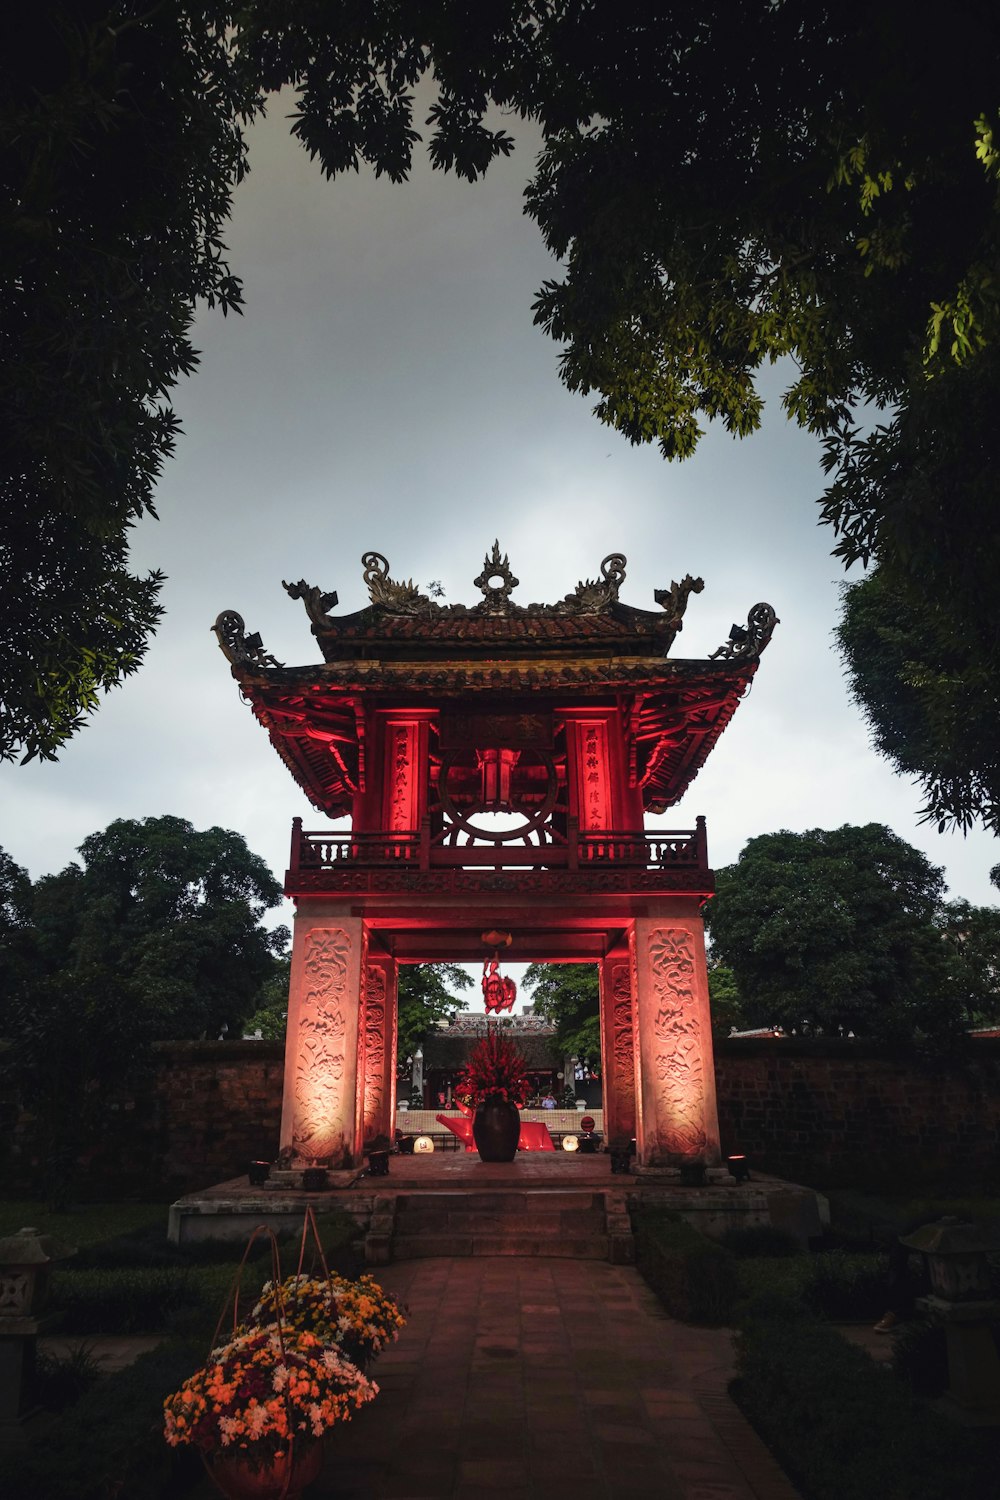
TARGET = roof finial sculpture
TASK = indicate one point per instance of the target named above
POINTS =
(496, 599)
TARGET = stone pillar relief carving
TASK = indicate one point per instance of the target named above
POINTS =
(320, 1063)
(374, 1049)
(678, 1051)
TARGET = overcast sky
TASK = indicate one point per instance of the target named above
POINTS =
(386, 390)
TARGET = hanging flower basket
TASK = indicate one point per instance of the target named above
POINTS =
(356, 1316)
(262, 1399)
(261, 1404)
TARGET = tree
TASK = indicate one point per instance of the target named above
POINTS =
(570, 996)
(425, 1001)
(725, 1001)
(838, 929)
(972, 937)
(270, 1018)
(16, 936)
(929, 695)
(157, 936)
(724, 187)
(120, 145)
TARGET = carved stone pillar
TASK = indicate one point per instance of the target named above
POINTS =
(377, 1049)
(319, 1113)
(677, 1114)
(618, 1045)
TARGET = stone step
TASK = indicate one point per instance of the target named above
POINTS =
(462, 1221)
(501, 1202)
(567, 1247)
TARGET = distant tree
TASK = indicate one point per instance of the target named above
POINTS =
(972, 937)
(157, 936)
(426, 999)
(837, 929)
(569, 995)
(270, 1017)
(724, 999)
(16, 933)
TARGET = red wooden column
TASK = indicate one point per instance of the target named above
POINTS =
(677, 1114)
(319, 1106)
(618, 1045)
(377, 1049)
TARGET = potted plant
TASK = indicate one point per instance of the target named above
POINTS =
(359, 1317)
(257, 1409)
(494, 1083)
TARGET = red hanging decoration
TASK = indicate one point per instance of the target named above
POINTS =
(499, 992)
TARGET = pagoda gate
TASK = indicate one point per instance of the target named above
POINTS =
(424, 721)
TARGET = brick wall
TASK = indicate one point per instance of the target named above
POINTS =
(217, 1106)
(838, 1113)
(825, 1112)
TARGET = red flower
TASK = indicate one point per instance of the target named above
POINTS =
(495, 1067)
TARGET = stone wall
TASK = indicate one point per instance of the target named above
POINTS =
(824, 1112)
(218, 1107)
(840, 1113)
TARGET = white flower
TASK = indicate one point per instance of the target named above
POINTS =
(228, 1427)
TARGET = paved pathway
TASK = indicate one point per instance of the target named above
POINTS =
(537, 1378)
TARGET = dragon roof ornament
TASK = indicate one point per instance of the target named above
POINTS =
(400, 612)
(496, 582)
(240, 649)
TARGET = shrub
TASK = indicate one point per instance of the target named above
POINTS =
(785, 1276)
(111, 1441)
(920, 1356)
(760, 1240)
(846, 1287)
(840, 1425)
(60, 1380)
(694, 1278)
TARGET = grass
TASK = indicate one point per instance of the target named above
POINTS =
(86, 1225)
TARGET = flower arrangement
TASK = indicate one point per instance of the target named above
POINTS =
(359, 1316)
(496, 1067)
(261, 1391)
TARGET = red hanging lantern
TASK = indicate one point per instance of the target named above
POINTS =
(499, 992)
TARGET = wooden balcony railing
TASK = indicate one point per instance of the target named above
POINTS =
(590, 850)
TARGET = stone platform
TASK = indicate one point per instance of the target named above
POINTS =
(505, 1192)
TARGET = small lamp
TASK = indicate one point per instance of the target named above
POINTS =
(570, 1143)
(422, 1145)
(739, 1167)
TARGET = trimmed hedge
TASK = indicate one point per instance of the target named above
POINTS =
(135, 1299)
(695, 1278)
(843, 1287)
(842, 1427)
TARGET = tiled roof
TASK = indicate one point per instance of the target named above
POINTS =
(522, 627)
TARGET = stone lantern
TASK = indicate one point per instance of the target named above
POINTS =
(960, 1299)
(956, 1259)
(26, 1259)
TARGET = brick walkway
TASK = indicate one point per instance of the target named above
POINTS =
(537, 1378)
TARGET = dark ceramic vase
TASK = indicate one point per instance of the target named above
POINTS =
(496, 1128)
(282, 1479)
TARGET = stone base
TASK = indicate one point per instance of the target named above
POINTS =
(293, 1179)
(232, 1211)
